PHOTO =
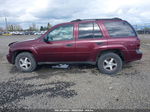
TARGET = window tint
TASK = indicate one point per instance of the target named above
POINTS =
(86, 30)
(64, 32)
(119, 29)
(89, 30)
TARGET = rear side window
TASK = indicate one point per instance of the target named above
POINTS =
(119, 29)
(89, 30)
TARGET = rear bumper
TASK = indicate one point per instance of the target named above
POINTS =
(138, 51)
(139, 54)
(135, 55)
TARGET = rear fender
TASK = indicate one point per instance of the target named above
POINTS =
(123, 50)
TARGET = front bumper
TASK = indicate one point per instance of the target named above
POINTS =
(9, 58)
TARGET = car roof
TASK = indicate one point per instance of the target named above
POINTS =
(90, 20)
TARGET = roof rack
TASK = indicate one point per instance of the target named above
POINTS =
(95, 19)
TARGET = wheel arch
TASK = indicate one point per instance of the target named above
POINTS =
(15, 53)
(116, 51)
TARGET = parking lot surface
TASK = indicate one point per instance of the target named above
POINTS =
(75, 87)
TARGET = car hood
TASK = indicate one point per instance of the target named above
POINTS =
(28, 42)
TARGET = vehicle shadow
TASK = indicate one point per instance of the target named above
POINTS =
(45, 71)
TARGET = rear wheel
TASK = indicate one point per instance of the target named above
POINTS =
(25, 62)
(109, 63)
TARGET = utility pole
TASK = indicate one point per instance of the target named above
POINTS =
(6, 24)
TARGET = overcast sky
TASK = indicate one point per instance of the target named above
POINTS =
(40, 12)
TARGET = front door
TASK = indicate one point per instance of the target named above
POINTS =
(60, 46)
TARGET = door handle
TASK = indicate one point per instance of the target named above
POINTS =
(69, 45)
(99, 43)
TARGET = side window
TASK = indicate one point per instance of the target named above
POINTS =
(85, 30)
(64, 32)
(97, 32)
(119, 29)
(89, 30)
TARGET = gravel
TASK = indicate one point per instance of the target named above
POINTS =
(75, 86)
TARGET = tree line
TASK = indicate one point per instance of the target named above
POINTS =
(32, 27)
(145, 30)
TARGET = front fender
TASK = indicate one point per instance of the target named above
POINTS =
(32, 50)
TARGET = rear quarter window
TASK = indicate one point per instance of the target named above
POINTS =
(119, 29)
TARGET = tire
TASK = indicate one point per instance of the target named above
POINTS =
(109, 63)
(25, 62)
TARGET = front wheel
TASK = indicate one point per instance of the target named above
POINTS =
(109, 63)
(25, 62)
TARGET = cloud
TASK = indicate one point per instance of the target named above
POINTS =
(26, 12)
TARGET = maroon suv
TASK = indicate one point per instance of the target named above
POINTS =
(107, 43)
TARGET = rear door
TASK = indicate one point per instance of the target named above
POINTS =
(89, 38)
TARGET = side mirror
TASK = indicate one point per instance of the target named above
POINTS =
(46, 38)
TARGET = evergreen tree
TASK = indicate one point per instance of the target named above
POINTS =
(41, 28)
(49, 26)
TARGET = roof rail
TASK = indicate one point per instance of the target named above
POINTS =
(95, 19)
(76, 20)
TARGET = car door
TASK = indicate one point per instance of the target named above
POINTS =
(60, 46)
(90, 40)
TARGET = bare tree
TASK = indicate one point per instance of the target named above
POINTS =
(14, 28)
(33, 27)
